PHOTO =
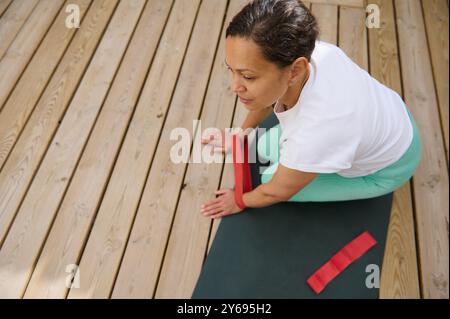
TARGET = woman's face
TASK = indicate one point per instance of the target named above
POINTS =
(254, 78)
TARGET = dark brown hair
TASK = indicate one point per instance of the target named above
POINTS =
(284, 30)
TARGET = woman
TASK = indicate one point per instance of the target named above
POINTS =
(342, 135)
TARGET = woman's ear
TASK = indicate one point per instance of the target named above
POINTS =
(298, 67)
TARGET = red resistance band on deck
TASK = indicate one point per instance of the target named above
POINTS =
(242, 174)
(347, 255)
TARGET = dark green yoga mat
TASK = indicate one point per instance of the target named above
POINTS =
(270, 252)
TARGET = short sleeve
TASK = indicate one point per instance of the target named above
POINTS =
(325, 144)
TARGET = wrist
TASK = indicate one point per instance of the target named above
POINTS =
(239, 199)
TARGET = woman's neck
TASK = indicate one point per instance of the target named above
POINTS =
(293, 93)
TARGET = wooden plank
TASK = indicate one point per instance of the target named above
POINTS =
(100, 263)
(327, 19)
(431, 178)
(19, 106)
(399, 277)
(189, 238)
(28, 232)
(4, 4)
(24, 159)
(24, 45)
(436, 22)
(347, 3)
(353, 35)
(138, 274)
(12, 21)
(69, 233)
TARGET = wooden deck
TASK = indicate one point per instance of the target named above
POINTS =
(85, 121)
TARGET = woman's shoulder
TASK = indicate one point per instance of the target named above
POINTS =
(326, 48)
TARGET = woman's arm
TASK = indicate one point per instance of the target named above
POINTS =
(284, 184)
(254, 118)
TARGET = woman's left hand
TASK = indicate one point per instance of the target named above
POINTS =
(221, 206)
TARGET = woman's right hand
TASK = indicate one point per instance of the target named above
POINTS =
(220, 141)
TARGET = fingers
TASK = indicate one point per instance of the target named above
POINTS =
(218, 215)
(211, 202)
(216, 138)
(207, 138)
(216, 145)
(221, 149)
(213, 210)
(220, 191)
(219, 141)
(211, 207)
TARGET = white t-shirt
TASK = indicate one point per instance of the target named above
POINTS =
(344, 122)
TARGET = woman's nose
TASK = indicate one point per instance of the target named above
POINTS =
(237, 85)
(238, 88)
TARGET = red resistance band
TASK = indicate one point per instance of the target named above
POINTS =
(242, 174)
(347, 255)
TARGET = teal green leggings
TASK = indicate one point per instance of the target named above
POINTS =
(333, 187)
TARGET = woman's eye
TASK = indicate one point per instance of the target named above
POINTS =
(245, 77)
